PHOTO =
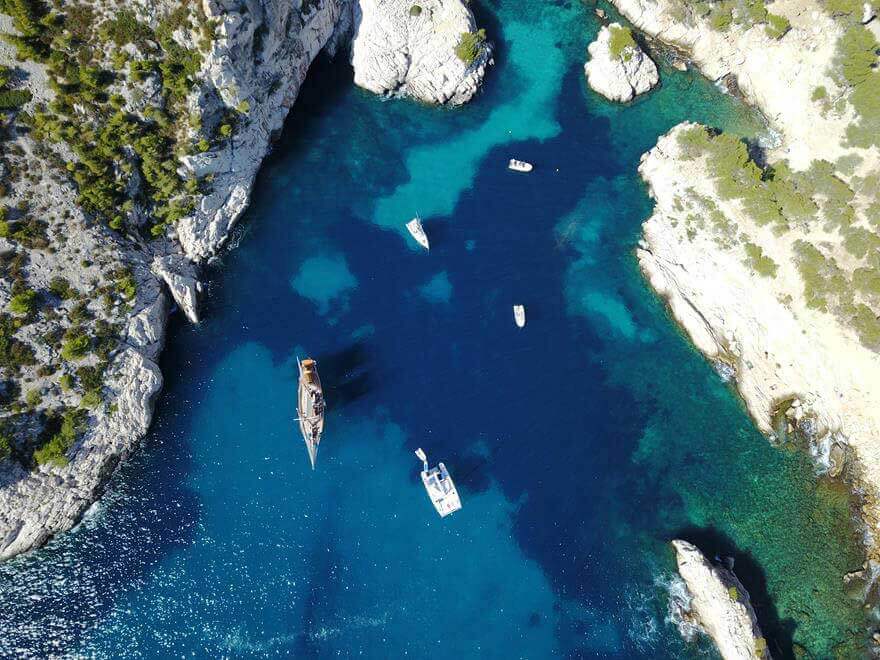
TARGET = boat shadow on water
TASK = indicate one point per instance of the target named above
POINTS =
(717, 546)
(344, 371)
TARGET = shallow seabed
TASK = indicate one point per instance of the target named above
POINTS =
(581, 444)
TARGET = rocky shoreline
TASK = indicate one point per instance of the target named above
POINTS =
(743, 271)
(720, 605)
(51, 498)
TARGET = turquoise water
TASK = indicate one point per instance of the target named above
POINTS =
(580, 444)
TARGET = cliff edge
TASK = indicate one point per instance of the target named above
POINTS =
(144, 126)
(720, 606)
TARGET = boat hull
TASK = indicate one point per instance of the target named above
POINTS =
(416, 230)
(310, 407)
(441, 490)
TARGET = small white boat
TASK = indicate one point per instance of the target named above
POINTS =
(439, 486)
(418, 232)
(519, 165)
(519, 315)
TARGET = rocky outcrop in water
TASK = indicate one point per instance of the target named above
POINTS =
(720, 605)
(409, 47)
(618, 68)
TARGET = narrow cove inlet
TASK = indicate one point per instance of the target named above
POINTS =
(581, 444)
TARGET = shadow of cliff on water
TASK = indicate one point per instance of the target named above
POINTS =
(717, 546)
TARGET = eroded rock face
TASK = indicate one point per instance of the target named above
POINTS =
(720, 605)
(51, 499)
(256, 65)
(619, 76)
(260, 57)
(408, 47)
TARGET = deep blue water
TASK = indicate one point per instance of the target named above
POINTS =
(580, 444)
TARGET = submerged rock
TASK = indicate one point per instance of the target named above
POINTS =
(410, 47)
(720, 605)
(618, 69)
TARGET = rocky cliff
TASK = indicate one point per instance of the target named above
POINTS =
(770, 263)
(618, 68)
(720, 605)
(204, 88)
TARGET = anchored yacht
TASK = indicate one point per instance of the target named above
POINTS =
(310, 406)
(519, 165)
(519, 315)
(418, 232)
(439, 486)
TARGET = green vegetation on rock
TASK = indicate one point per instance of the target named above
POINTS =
(619, 40)
(76, 345)
(23, 303)
(760, 262)
(469, 46)
(54, 451)
(777, 26)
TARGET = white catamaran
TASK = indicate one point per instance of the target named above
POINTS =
(519, 165)
(418, 232)
(519, 315)
(439, 486)
(310, 406)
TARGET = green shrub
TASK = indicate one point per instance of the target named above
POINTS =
(819, 94)
(620, 39)
(415, 10)
(866, 325)
(33, 397)
(61, 288)
(23, 303)
(54, 452)
(91, 399)
(125, 284)
(13, 353)
(5, 445)
(721, 15)
(76, 345)
(66, 382)
(225, 130)
(777, 26)
(469, 46)
(124, 28)
(11, 99)
(760, 262)
(857, 58)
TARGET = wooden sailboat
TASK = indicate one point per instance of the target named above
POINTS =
(310, 406)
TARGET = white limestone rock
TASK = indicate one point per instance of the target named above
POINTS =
(261, 55)
(179, 274)
(411, 52)
(720, 605)
(620, 78)
(51, 499)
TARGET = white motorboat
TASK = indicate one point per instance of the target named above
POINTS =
(519, 165)
(418, 232)
(519, 315)
(439, 486)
